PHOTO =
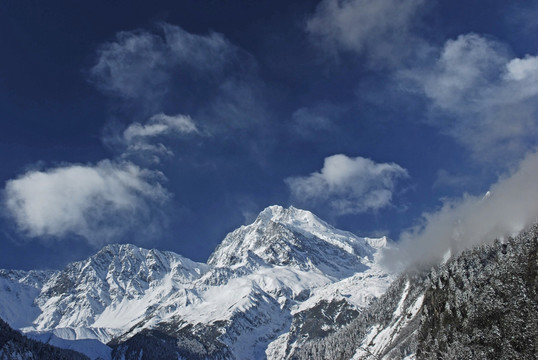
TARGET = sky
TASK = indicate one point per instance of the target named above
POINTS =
(168, 124)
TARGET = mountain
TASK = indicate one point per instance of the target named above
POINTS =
(112, 291)
(261, 275)
(287, 286)
(293, 237)
(387, 329)
(18, 289)
(268, 287)
(482, 304)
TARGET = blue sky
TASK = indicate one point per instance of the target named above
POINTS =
(168, 124)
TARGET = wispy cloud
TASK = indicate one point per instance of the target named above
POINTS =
(377, 29)
(160, 124)
(139, 63)
(523, 16)
(204, 76)
(100, 202)
(144, 140)
(482, 96)
(446, 179)
(309, 122)
(509, 207)
(348, 185)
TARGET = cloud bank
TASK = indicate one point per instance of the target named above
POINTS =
(348, 185)
(510, 206)
(379, 29)
(100, 202)
(482, 96)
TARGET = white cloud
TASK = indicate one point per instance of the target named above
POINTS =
(141, 140)
(203, 75)
(140, 64)
(379, 29)
(482, 96)
(134, 62)
(510, 206)
(348, 185)
(466, 64)
(97, 202)
(160, 124)
(521, 69)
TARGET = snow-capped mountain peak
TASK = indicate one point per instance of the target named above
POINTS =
(284, 236)
(112, 289)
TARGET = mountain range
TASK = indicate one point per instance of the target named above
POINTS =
(268, 287)
(287, 286)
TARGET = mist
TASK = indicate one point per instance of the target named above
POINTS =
(505, 210)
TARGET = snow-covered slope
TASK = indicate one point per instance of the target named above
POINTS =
(386, 329)
(92, 348)
(18, 290)
(481, 304)
(294, 237)
(108, 293)
(239, 304)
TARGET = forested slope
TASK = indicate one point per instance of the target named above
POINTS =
(482, 304)
(15, 346)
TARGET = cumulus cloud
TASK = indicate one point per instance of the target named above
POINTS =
(380, 29)
(509, 207)
(100, 202)
(348, 185)
(482, 96)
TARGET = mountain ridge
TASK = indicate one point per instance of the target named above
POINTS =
(287, 286)
(272, 266)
